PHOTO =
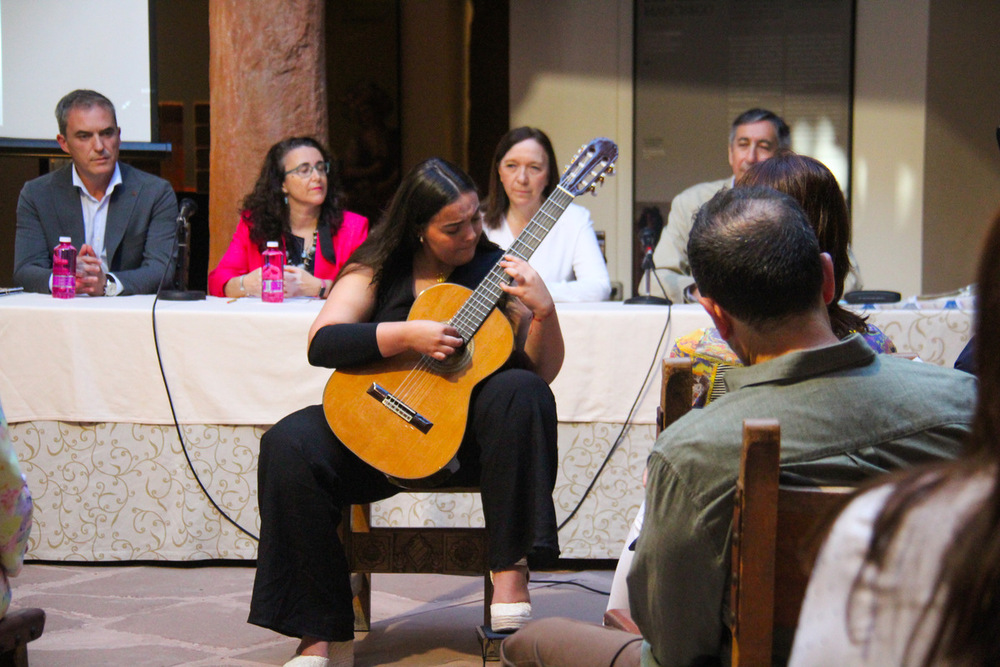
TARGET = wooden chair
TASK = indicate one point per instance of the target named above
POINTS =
(18, 628)
(421, 549)
(777, 532)
(676, 391)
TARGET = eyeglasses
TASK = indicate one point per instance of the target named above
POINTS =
(305, 169)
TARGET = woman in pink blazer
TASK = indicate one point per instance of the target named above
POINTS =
(295, 202)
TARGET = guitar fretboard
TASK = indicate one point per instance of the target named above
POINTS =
(478, 306)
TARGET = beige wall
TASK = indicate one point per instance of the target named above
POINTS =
(571, 76)
(962, 163)
(926, 166)
(888, 158)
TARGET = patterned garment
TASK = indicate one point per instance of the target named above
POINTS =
(15, 514)
(711, 358)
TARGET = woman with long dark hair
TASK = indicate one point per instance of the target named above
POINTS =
(296, 202)
(910, 573)
(431, 233)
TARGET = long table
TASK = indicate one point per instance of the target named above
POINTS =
(93, 418)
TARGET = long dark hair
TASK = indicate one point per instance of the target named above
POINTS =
(815, 187)
(969, 577)
(497, 201)
(265, 209)
(391, 245)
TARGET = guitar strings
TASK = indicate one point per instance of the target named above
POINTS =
(415, 384)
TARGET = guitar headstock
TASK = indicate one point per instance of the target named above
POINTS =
(589, 167)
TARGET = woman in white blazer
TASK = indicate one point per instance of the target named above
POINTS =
(569, 259)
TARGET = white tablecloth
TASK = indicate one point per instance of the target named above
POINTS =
(244, 361)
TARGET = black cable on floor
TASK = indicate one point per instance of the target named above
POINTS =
(550, 583)
(626, 425)
(180, 434)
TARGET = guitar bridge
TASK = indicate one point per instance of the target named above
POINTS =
(400, 409)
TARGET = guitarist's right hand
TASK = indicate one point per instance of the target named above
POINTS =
(435, 339)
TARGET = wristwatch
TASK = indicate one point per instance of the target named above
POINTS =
(111, 286)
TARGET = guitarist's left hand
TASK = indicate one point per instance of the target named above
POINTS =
(527, 286)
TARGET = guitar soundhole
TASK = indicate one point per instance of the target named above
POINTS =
(455, 362)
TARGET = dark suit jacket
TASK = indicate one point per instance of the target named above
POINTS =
(139, 235)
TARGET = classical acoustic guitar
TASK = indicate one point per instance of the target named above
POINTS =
(406, 415)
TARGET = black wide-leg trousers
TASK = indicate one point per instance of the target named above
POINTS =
(307, 478)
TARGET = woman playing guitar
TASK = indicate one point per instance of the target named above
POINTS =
(431, 233)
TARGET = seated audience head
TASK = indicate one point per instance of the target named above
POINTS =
(816, 190)
(89, 132)
(756, 260)
(523, 173)
(755, 136)
(298, 173)
(405, 230)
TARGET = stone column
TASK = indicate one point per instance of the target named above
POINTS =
(267, 81)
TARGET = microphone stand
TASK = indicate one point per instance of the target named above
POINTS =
(182, 293)
(648, 269)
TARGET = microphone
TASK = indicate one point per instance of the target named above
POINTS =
(647, 239)
(187, 208)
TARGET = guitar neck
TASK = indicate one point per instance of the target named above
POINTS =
(474, 311)
(540, 225)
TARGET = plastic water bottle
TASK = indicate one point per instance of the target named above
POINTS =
(64, 269)
(273, 274)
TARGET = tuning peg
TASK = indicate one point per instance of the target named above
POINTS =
(610, 171)
(592, 189)
(600, 180)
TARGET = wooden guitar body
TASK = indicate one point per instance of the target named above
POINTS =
(406, 415)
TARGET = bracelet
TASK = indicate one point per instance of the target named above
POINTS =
(322, 289)
(242, 288)
(536, 318)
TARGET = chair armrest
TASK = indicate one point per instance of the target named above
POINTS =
(621, 619)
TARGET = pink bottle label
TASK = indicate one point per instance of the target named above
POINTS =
(272, 277)
(64, 272)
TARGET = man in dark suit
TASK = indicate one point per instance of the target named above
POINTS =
(122, 220)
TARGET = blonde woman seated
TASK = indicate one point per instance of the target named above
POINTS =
(522, 176)
(295, 202)
(910, 573)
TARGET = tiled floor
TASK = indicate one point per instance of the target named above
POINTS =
(145, 616)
